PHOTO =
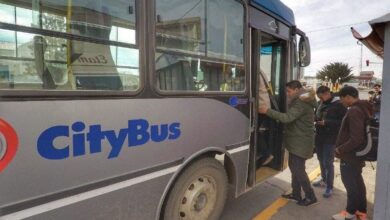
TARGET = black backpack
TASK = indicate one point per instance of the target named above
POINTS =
(370, 150)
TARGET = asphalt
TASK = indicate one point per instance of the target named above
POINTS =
(329, 206)
(254, 204)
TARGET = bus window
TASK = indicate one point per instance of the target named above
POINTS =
(69, 45)
(270, 64)
(294, 57)
(199, 46)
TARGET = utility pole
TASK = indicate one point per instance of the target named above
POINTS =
(361, 56)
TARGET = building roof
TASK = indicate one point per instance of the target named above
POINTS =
(365, 75)
(375, 40)
(277, 9)
(383, 19)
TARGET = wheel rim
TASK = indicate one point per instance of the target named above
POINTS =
(199, 199)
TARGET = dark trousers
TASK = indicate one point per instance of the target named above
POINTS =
(325, 155)
(299, 178)
(352, 178)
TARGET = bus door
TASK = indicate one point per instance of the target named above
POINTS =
(268, 72)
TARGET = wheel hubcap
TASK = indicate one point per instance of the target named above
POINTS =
(199, 199)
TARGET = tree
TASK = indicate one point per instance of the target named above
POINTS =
(335, 71)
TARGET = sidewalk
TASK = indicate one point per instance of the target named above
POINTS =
(328, 207)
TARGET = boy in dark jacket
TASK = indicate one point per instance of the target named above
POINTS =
(351, 138)
(329, 115)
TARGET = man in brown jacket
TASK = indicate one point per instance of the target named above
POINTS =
(351, 138)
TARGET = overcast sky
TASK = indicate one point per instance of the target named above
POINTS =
(328, 22)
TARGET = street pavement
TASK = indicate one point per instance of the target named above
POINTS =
(254, 202)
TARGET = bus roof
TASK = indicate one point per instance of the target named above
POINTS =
(276, 8)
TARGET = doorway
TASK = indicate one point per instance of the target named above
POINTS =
(269, 68)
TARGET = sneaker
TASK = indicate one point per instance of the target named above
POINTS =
(291, 197)
(268, 160)
(319, 183)
(361, 215)
(307, 202)
(328, 193)
(344, 215)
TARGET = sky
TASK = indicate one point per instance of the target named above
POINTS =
(327, 23)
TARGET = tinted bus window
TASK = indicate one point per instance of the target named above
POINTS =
(69, 45)
(200, 45)
(271, 64)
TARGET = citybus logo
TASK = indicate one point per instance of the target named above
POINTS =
(9, 144)
(138, 132)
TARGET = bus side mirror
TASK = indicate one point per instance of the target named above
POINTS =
(304, 51)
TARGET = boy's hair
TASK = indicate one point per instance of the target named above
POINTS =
(349, 90)
(377, 85)
(322, 89)
(295, 84)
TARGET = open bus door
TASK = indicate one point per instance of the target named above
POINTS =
(268, 69)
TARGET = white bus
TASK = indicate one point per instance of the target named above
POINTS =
(139, 109)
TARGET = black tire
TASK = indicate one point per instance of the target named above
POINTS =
(199, 193)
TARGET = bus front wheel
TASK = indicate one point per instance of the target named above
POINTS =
(199, 193)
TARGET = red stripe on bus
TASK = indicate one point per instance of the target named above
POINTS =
(12, 142)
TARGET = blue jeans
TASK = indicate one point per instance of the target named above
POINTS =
(325, 155)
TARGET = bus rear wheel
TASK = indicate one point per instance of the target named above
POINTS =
(199, 193)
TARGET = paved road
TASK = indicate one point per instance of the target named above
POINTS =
(249, 205)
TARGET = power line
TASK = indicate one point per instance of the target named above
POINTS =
(336, 27)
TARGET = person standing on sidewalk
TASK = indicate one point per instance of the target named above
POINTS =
(329, 115)
(351, 138)
(299, 138)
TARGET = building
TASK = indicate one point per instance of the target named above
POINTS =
(366, 78)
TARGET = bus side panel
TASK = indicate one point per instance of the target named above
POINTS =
(66, 145)
(137, 202)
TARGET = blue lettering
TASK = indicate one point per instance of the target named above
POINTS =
(45, 143)
(174, 130)
(116, 142)
(156, 136)
(138, 132)
(78, 139)
(95, 137)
